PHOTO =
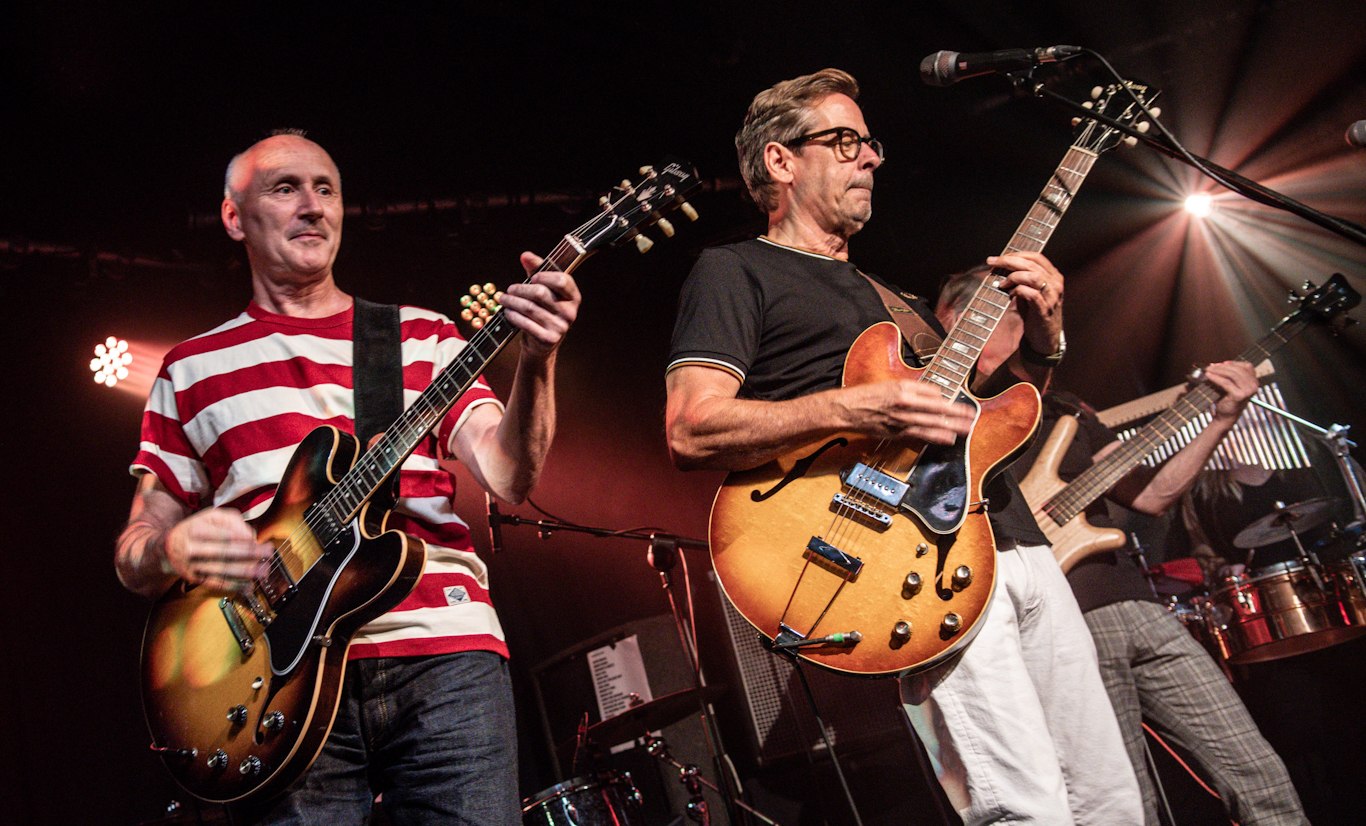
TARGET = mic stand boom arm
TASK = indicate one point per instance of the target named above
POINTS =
(1248, 189)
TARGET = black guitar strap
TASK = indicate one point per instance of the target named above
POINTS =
(377, 368)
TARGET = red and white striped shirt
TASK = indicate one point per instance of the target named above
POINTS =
(229, 407)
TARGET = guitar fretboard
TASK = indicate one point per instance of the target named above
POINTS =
(1067, 503)
(951, 366)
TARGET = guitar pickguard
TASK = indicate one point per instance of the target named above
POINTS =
(939, 483)
(296, 625)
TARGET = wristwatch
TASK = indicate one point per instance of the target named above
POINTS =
(1032, 356)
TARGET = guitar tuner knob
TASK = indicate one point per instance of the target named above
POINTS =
(604, 201)
(648, 170)
(625, 185)
(1088, 105)
(687, 209)
(1131, 141)
(1076, 121)
(951, 625)
(665, 227)
(1156, 111)
(1096, 92)
(643, 243)
(962, 577)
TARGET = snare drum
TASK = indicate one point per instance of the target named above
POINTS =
(601, 800)
(1280, 610)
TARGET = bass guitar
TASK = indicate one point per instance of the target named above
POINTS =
(1058, 505)
(240, 690)
(876, 558)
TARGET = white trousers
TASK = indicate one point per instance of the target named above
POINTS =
(1019, 726)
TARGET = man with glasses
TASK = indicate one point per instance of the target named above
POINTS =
(1019, 723)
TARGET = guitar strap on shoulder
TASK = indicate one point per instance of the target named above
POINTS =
(377, 368)
(919, 336)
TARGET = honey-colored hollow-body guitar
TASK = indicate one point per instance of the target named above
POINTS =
(801, 543)
(240, 690)
(892, 540)
(1058, 506)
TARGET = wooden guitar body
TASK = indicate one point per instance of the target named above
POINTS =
(238, 708)
(1075, 539)
(763, 522)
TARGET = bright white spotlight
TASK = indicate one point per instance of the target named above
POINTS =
(110, 364)
(1198, 205)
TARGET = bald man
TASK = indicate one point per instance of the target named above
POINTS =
(426, 712)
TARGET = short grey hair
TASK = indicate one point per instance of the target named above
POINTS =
(780, 114)
(959, 288)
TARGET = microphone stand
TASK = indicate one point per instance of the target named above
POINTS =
(1248, 189)
(662, 556)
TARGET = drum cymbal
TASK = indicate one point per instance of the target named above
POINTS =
(640, 720)
(1277, 525)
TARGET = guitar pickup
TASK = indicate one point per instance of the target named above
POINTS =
(886, 489)
(827, 551)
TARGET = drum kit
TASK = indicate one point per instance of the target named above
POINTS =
(1254, 615)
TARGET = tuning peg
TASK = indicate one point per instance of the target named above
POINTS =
(1089, 104)
(604, 201)
(467, 314)
(477, 323)
(648, 170)
(643, 243)
(625, 185)
(1096, 92)
(474, 289)
(687, 209)
(1310, 286)
(665, 227)
(1156, 111)
(1131, 141)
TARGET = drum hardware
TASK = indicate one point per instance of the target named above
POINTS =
(1287, 522)
(662, 555)
(601, 799)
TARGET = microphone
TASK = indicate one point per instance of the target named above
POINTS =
(1356, 134)
(495, 524)
(943, 68)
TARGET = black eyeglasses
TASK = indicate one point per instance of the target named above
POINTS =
(847, 144)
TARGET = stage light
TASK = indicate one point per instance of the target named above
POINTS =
(110, 364)
(1198, 205)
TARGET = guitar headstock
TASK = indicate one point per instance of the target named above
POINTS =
(1325, 303)
(634, 204)
(1117, 103)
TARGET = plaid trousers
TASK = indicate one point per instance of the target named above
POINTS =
(1154, 670)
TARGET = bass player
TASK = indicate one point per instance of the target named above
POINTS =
(1153, 668)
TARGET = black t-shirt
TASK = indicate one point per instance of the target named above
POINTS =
(782, 320)
(1104, 578)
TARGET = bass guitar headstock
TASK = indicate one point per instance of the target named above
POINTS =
(1327, 302)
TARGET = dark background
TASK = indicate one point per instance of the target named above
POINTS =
(466, 133)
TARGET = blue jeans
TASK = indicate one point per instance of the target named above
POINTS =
(433, 736)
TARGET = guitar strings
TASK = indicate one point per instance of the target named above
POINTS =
(348, 492)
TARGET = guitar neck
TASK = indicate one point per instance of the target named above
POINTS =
(951, 366)
(378, 464)
(1067, 503)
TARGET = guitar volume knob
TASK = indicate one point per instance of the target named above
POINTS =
(274, 721)
(901, 632)
(962, 577)
(951, 625)
(911, 586)
(250, 765)
(237, 715)
(217, 760)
